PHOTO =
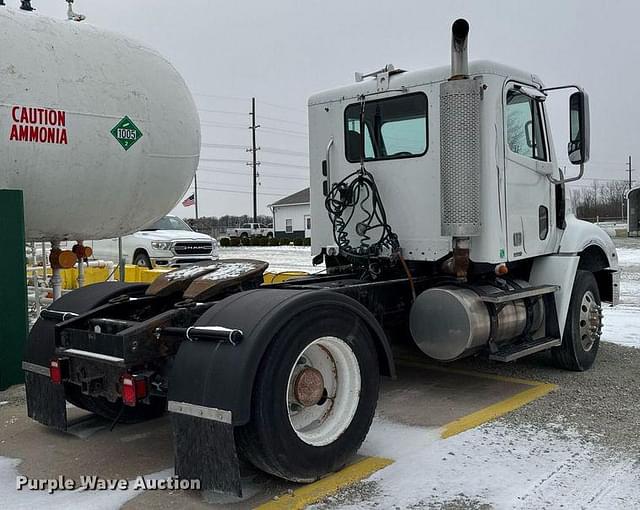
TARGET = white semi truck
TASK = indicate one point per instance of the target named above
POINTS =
(439, 212)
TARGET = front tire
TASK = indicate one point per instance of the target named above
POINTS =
(141, 259)
(314, 397)
(581, 338)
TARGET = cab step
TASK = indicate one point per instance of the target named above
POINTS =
(515, 351)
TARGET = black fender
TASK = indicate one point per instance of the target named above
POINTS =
(46, 401)
(221, 375)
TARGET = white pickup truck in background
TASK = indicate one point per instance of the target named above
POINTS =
(250, 230)
(169, 242)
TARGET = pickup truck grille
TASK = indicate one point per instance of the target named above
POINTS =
(192, 248)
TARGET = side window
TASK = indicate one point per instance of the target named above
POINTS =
(525, 132)
(396, 127)
(288, 225)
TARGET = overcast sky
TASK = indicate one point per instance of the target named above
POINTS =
(282, 51)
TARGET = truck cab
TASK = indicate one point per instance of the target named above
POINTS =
(521, 211)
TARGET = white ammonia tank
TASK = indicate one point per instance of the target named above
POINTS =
(100, 132)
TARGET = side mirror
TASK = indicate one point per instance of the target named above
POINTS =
(578, 148)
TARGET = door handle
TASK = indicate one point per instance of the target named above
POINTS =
(326, 168)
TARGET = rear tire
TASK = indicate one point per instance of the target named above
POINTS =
(581, 338)
(244, 235)
(327, 340)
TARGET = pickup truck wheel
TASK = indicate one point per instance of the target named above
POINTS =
(269, 234)
(244, 235)
(142, 259)
(581, 338)
(314, 397)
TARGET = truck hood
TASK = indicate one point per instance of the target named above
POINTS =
(172, 235)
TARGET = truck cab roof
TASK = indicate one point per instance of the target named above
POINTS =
(411, 79)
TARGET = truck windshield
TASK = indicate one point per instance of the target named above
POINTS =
(168, 223)
(394, 128)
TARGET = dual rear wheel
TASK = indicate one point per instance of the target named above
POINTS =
(314, 397)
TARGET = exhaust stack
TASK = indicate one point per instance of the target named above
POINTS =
(460, 152)
(459, 54)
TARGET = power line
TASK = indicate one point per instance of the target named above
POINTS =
(223, 112)
(270, 150)
(220, 124)
(239, 191)
(214, 96)
(223, 146)
(286, 131)
(290, 108)
(286, 152)
(265, 175)
(304, 124)
(245, 162)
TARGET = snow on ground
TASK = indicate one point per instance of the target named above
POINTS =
(87, 500)
(280, 258)
(622, 323)
(493, 466)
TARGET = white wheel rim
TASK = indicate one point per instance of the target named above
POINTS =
(323, 423)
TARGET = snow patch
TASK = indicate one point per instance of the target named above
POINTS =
(501, 466)
(87, 500)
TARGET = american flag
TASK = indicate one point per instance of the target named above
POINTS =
(190, 200)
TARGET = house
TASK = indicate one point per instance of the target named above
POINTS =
(292, 216)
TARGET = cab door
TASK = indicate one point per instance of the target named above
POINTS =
(530, 208)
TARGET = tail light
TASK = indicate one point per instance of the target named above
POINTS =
(55, 371)
(58, 370)
(134, 388)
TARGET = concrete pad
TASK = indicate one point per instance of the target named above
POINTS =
(429, 396)
(432, 396)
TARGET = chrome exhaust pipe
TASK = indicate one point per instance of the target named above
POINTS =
(459, 53)
(460, 162)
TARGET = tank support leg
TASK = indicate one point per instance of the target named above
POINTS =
(56, 279)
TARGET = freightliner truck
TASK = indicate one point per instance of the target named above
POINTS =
(440, 214)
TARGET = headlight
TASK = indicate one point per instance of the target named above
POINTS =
(161, 245)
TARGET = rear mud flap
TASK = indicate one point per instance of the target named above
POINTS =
(205, 450)
(45, 401)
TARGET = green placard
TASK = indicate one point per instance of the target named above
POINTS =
(13, 289)
(127, 133)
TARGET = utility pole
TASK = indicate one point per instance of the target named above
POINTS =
(195, 192)
(254, 163)
(630, 170)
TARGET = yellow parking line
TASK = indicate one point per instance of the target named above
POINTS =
(537, 389)
(495, 410)
(314, 492)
